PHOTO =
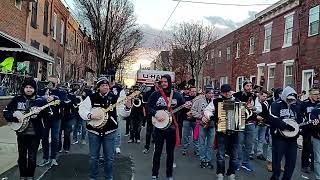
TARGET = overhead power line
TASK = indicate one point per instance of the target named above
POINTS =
(165, 24)
(221, 4)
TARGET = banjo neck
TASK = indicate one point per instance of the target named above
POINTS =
(182, 106)
(134, 94)
(308, 122)
(41, 108)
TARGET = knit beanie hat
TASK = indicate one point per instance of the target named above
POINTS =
(102, 80)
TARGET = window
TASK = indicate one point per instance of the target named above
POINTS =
(307, 80)
(240, 81)
(260, 76)
(228, 53)
(45, 18)
(314, 21)
(267, 37)
(212, 53)
(50, 69)
(271, 73)
(62, 33)
(288, 75)
(219, 53)
(238, 50)
(253, 79)
(251, 45)
(288, 29)
(223, 80)
(18, 4)
(54, 26)
(34, 14)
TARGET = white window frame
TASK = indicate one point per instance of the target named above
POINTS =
(288, 30)
(62, 32)
(228, 53)
(285, 64)
(239, 85)
(50, 69)
(313, 11)
(303, 76)
(19, 6)
(54, 26)
(251, 45)
(253, 76)
(212, 54)
(261, 65)
(223, 80)
(267, 42)
(238, 50)
(271, 66)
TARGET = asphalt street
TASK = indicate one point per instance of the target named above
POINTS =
(132, 164)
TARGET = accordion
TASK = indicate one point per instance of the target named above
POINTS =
(232, 116)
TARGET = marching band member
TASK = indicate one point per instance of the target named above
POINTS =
(119, 92)
(53, 127)
(284, 108)
(206, 133)
(135, 119)
(261, 127)
(104, 136)
(315, 132)
(29, 139)
(228, 140)
(162, 100)
(66, 123)
(149, 130)
(246, 138)
(306, 107)
(189, 123)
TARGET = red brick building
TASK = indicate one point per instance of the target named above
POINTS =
(309, 53)
(59, 19)
(279, 48)
(13, 18)
(245, 54)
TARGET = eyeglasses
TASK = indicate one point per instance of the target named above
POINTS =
(315, 94)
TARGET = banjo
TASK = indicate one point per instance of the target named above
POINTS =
(21, 126)
(103, 112)
(295, 125)
(166, 123)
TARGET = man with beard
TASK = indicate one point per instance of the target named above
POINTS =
(103, 136)
(165, 99)
(28, 139)
(226, 140)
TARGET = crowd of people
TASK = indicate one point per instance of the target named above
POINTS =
(190, 118)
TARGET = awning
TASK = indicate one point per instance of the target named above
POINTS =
(11, 44)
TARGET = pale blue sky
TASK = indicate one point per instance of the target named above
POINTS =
(156, 12)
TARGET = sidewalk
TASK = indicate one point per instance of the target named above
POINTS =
(8, 148)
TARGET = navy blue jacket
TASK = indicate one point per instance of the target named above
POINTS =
(280, 110)
(21, 103)
(315, 130)
(156, 102)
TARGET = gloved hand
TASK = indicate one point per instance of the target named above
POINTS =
(290, 128)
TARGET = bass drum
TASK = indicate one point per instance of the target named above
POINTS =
(166, 123)
(98, 123)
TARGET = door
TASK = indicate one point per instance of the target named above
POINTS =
(307, 80)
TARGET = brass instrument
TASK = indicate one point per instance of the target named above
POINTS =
(136, 102)
(232, 116)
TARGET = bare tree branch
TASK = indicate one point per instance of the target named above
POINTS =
(114, 30)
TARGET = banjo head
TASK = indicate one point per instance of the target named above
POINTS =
(15, 125)
(165, 123)
(98, 123)
(294, 124)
